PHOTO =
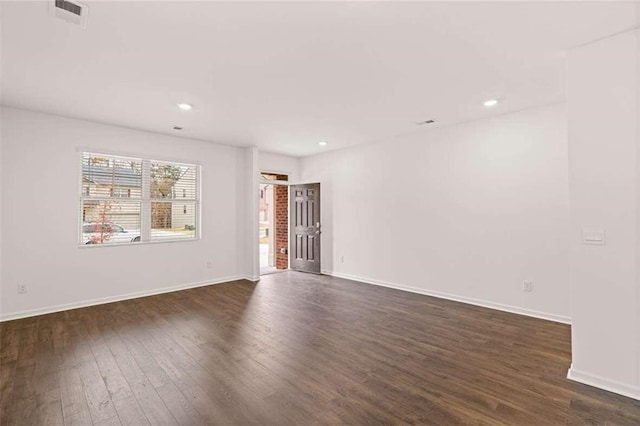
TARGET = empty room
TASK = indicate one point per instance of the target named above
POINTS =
(297, 213)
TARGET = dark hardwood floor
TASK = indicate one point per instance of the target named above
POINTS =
(294, 349)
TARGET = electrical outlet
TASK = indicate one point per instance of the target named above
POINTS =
(527, 286)
(341, 259)
(209, 265)
(22, 288)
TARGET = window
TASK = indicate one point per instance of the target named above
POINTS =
(128, 200)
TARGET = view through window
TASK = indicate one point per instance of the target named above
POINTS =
(128, 200)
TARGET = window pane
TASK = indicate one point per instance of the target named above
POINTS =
(173, 181)
(173, 220)
(110, 176)
(110, 222)
(116, 199)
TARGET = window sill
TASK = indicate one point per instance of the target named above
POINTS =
(139, 243)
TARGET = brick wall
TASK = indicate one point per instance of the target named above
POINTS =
(281, 225)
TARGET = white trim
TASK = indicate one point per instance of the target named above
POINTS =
(111, 299)
(145, 201)
(274, 182)
(471, 301)
(602, 383)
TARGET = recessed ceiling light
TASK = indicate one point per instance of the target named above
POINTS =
(490, 102)
(184, 107)
(323, 143)
(177, 128)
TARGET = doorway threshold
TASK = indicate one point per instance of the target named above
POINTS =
(270, 270)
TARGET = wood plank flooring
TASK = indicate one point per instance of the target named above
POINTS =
(294, 349)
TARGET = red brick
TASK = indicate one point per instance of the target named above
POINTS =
(281, 225)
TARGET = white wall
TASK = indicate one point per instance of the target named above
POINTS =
(251, 251)
(604, 147)
(467, 211)
(1, 98)
(40, 187)
(1, 226)
(282, 164)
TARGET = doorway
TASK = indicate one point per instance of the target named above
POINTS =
(274, 223)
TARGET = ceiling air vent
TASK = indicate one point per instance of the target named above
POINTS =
(69, 7)
(72, 12)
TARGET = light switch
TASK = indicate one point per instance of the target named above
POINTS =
(593, 236)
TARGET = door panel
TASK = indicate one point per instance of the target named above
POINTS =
(305, 227)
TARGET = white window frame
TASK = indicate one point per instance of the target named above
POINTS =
(145, 200)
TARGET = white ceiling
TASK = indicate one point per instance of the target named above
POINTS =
(283, 76)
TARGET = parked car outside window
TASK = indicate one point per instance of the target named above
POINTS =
(98, 233)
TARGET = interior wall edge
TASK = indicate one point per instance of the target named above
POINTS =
(253, 212)
(638, 189)
(468, 300)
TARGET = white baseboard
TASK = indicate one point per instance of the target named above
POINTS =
(602, 383)
(111, 299)
(456, 298)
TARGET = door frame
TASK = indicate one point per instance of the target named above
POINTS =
(318, 236)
